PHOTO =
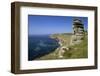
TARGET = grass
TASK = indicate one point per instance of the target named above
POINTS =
(78, 50)
(65, 37)
(75, 51)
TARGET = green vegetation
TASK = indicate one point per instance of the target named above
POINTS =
(64, 38)
(78, 50)
(75, 51)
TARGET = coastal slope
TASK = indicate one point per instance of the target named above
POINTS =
(66, 50)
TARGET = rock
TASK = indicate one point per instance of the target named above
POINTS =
(78, 32)
(62, 50)
(60, 56)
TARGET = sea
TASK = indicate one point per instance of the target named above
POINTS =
(40, 45)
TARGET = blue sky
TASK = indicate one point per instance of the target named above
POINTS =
(40, 24)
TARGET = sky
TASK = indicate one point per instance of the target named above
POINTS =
(41, 24)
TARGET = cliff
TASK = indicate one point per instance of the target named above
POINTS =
(66, 50)
(71, 45)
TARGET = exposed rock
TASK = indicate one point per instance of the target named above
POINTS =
(78, 32)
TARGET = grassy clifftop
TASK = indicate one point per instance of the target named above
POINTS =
(63, 38)
(78, 50)
(75, 51)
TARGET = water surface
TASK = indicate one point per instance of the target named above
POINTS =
(40, 45)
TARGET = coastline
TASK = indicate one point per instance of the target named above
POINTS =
(65, 50)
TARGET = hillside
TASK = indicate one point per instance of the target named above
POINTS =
(75, 51)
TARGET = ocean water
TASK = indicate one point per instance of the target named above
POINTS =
(40, 45)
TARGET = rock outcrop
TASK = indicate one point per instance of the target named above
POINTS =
(78, 32)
